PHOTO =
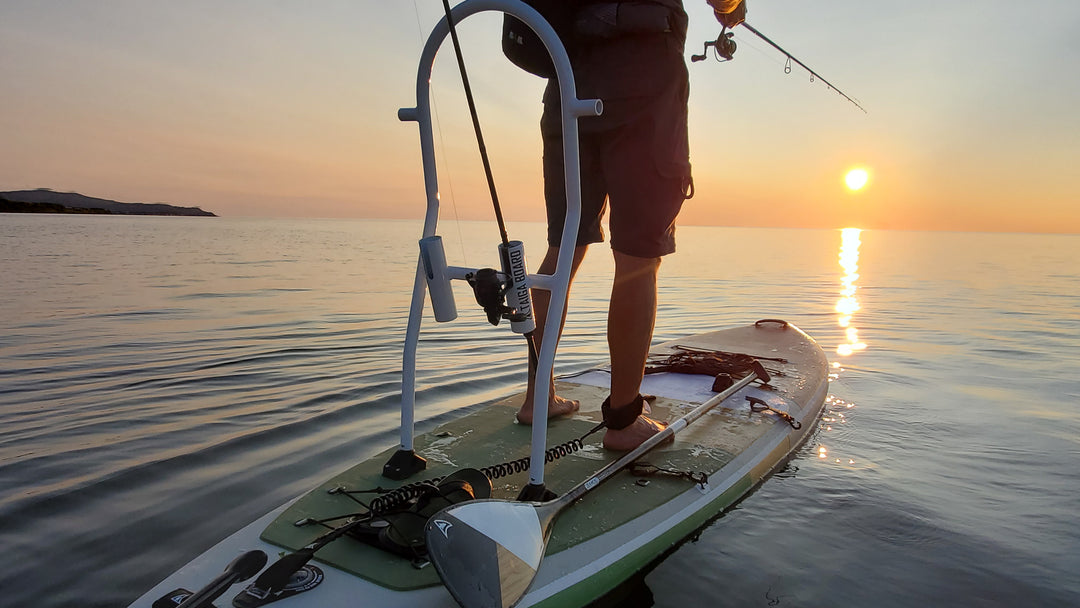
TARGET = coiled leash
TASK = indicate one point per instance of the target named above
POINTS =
(390, 501)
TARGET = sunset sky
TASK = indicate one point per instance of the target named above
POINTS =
(274, 109)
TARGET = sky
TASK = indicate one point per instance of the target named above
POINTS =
(289, 109)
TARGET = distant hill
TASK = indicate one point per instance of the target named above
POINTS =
(44, 200)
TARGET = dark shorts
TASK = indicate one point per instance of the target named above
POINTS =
(635, 159)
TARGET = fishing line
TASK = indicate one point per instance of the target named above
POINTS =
(476, 123)
(725, 47)
(757, 46)
(442, 144)
(529, 338)
(787, 67)
(766, 53)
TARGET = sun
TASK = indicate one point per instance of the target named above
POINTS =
(856, 179)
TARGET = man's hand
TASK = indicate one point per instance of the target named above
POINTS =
(729, 12)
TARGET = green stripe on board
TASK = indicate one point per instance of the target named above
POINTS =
(597, 585)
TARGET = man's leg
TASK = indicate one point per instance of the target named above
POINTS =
(631, 318)
(541, 298)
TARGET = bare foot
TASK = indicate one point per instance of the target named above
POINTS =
(634, 435)
(558, 406)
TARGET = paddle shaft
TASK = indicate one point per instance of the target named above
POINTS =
(488, 552)
(611, 469)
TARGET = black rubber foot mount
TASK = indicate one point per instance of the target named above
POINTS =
(403, 465)
(536, 493)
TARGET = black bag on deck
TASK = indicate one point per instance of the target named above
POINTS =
(402, 531)
(523, 47)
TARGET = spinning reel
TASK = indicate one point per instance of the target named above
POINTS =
(724, 44)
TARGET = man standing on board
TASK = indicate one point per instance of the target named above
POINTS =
(635, 156)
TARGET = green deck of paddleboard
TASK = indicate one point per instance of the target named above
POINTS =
(490, 436)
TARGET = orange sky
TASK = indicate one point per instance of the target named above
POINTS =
(247, 110)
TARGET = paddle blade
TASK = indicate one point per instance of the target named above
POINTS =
(487, 552)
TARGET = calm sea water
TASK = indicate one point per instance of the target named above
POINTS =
(164, 381)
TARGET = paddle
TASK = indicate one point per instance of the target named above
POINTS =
(274, 579)
(240, 569)
(487, 552)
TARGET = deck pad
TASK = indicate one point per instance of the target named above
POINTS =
(490, 436)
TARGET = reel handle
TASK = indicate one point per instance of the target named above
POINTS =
(724, 44)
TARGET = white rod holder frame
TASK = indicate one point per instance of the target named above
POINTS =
(558, 283)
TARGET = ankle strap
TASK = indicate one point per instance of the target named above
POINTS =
(618, 418)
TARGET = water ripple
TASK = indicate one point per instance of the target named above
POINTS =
(164, 382)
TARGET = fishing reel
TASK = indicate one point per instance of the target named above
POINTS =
(724, 44)
(490, 289)
(502, 294)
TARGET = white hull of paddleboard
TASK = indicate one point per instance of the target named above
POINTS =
(616, 549)
(582, 571)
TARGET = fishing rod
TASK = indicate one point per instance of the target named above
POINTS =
(489, 289)
(725, 47)
(475, 121)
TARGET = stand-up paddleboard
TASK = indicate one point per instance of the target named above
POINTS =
(388, 531)
(598, 541)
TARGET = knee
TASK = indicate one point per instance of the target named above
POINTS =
(635, 264)
(631, 270)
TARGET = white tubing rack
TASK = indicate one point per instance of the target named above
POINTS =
(406, 462)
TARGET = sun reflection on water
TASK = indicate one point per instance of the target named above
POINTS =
(833, 419)
(848, 304)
